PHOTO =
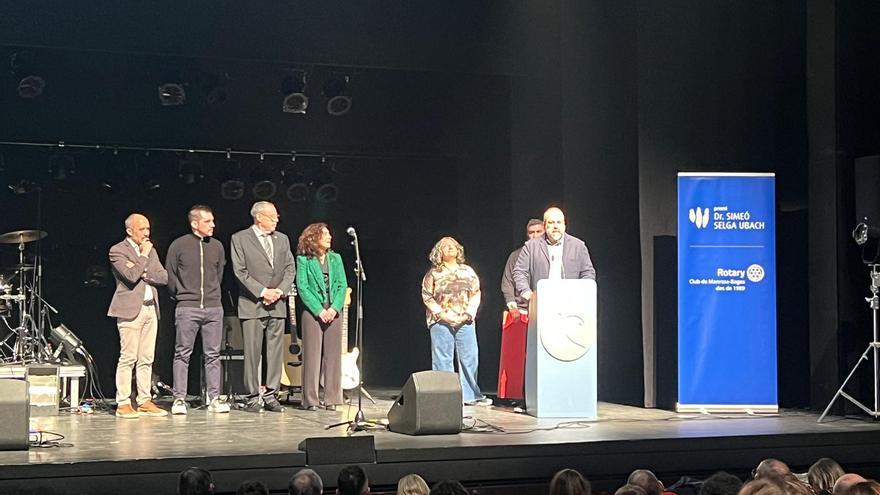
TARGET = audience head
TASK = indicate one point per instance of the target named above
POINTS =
(721, 483)
(770, 467)
(252, 487)
(845, 482)
(823, 473)
(630, 489)
(448, 487)
(763, 486)
(305, 482)
(794, 486)
(646, 480)
(412, 484)
(569, 482)
(352, 480)
(867, 487)
(195, 481)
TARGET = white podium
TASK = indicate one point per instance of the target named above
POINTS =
(561, 350)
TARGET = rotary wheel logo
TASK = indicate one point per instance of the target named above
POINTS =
(755, 273)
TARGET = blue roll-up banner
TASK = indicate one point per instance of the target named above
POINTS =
(726, 293)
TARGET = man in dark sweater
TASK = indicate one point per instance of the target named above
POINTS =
(195, 269)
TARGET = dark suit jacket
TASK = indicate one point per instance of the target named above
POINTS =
(507, 287)
(533, 263)
(310, 282)
(254, 273)
(134, 274)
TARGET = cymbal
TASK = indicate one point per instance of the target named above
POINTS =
(18, 236)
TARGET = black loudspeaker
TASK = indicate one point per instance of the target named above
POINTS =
(867, 175)
(15, 411)
(429, 404)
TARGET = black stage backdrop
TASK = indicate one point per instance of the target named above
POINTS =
(475, 117)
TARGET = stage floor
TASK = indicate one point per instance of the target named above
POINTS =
(105, 453)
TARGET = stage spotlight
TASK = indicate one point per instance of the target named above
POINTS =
(190, 171)
(264, 187)
(61, 166)
(335, 89)
(231, 184)
(298, 192)
(172, 94)
(293, 87)
(24, 186)
(327, 193)
(65, 340)
(868, 237)
(31, 86)
(96, 276)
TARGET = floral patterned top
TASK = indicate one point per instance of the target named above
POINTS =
(456, 290)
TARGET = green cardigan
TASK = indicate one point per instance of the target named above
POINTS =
(310, 282)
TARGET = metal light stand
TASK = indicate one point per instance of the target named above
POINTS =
(874, 304)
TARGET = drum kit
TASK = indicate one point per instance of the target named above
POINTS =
(24, 312)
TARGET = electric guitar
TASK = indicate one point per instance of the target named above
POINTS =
(351, 375)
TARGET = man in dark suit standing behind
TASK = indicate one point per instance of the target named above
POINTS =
(555, 255)
(263, 265)
(135, 305)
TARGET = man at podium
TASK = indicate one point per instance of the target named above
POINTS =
(555, 255)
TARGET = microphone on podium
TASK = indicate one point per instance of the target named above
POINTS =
(350, 231)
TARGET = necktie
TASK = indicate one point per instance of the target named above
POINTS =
(267, 245)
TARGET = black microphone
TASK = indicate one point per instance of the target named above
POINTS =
(350, 231)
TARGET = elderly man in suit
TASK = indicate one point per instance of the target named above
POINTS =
(263, 265)
(555, 255)
(135, 305)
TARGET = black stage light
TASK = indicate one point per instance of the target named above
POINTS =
(293, 86)
(868, 237)
(335, 89)
(31, 86)
(190, 171)
(327, 193)
(172, 94)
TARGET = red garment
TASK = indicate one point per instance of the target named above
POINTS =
(511, 370)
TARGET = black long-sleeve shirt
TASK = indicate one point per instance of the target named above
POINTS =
(195, 271)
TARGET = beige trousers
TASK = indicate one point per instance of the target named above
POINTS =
(137, 346)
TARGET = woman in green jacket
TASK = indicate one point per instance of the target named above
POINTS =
(321, 284)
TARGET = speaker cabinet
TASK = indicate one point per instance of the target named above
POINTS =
(15, 411)
(429, 404)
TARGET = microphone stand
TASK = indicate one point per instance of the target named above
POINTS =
(359, 423)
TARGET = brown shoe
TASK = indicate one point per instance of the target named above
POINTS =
(126, 411)
(150, 409)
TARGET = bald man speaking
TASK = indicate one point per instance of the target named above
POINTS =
(555, 255)
(135, 305)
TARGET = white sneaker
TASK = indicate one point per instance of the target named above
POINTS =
(485, 401)
(218, 406)
(179, 407)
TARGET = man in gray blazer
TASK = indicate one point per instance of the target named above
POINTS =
(135, 305)
(555, 255)
(263, 265)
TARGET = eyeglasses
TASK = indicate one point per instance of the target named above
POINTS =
(274, 218)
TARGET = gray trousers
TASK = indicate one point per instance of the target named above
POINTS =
(188, 322)
(254, 331)
(322, 351)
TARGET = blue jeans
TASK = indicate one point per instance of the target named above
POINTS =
(445, 341)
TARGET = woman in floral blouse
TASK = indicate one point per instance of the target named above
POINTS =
(451, 293)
